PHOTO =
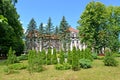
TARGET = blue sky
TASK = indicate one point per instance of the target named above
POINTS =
(41, 10)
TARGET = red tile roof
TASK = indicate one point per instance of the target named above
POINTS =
(73, 30)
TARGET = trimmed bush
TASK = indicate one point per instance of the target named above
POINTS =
(85, 63)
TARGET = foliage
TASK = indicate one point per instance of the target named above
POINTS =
(109, 60)
(10, 29)
(61, 57)
(43, 56)
(69, 58)
(86, 54)
(75, 60)
(49, 55)
(17, 66)
(94, 55)
(85, 63)
(54, 57)
(99, 26)
(64, 66)
(64, 33)
(11, 57)
(23, 57)
(41, 29)
(34, 62)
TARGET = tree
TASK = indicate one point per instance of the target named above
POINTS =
(69, 57)
(13, 29)
(92, 21)
(41, 28)
(56, 31)
(32, 25)
(64, 33)
(49, 27)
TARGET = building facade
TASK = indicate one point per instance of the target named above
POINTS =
(37, 41)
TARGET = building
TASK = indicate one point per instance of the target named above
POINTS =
(37, 41)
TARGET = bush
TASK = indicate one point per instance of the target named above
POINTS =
(34, 62)
(9, 71)
(85, 63)
(54, 57)
(61, 57)
(69, 58)
(17, 66)
(11, 59)
(64, 66)
(23, 57)
(49, 62)
(109, 60)
(75, 61)
(94, 55)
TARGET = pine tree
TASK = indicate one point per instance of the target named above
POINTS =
(32, 25)
(64, 33)
(54, 57)
(49, 27)
(41, 28)
(75, 61)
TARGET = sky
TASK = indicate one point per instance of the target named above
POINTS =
(41, 10)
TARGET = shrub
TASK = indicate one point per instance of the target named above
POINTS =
(43, 56)
(54, 57)
(23, 57)
(61, 57)
(85, 63)
(17, 66)
(69, 58)
(49, 57)
(34, 62)
(11, 59)
(64, 66)
(94, 55)
(75, 61)
(109, 60)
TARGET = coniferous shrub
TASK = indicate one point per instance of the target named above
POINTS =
(23, 57)
(85, 63)
(44, 57)
(49, 57)
(11, 57)
(75, 60)
(69, 57)
(61, 57)
(109, 60)
(34, 61)
(54, 57)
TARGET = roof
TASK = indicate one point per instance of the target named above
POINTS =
(73, 30)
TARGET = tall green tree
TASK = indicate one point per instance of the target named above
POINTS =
(92, 21)
(32, 25)
(49, 27)
(13, 28)
(41, 28)
(64, 33)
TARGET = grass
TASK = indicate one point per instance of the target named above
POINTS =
(97, 72)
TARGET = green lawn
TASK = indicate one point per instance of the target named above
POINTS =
(97, 72)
